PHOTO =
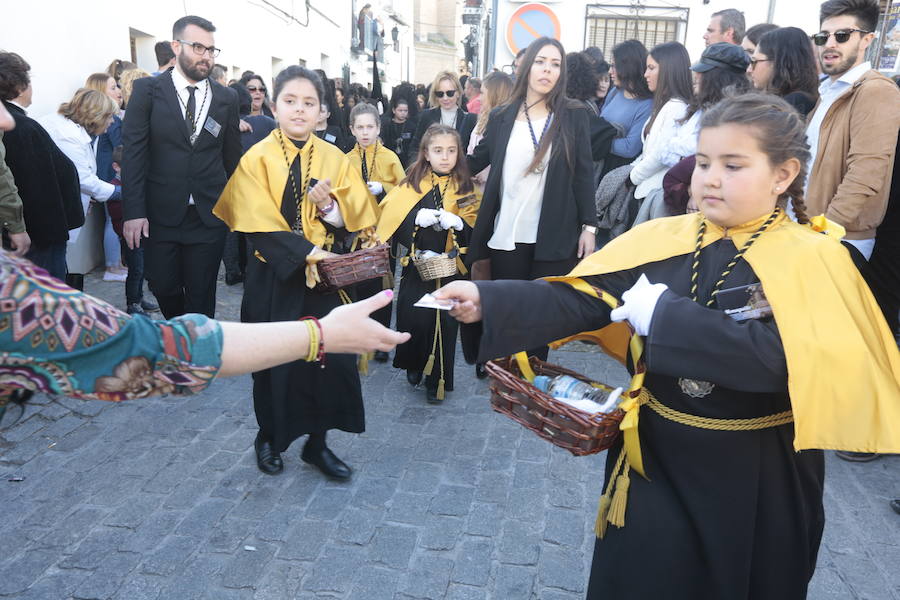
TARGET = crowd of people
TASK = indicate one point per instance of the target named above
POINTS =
(746, 166)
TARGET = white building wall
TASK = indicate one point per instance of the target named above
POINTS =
(798, 13)
(76, 39)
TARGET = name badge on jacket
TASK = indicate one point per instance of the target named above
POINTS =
(212, 127)
(329, 137)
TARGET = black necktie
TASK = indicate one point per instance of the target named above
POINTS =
(190, 110)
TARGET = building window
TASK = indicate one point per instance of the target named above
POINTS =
(606, 32)
(606, 26)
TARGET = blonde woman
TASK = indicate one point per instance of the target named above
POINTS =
(445, 99)
(104, 145)
(73, 128)
(126, 82)
(495, 91)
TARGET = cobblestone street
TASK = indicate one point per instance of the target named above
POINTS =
(161, 499)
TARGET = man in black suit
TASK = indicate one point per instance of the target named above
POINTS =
(181, 143)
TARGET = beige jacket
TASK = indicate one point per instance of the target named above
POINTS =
(851, 175)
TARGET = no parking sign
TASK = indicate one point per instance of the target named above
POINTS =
(528, 23)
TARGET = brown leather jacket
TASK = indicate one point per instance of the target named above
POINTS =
(851, 175)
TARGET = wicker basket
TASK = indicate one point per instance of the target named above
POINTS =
(349, 269)
(579, 432)
(435, 267)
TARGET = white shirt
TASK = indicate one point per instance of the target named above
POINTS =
(448, 117)
(829, 91)
(650, 167)
(75, 143)
(684, 143)
(522, 194)
(202, 99)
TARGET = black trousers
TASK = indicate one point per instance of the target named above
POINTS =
(181, 265)
(520, 264)
(884, 277)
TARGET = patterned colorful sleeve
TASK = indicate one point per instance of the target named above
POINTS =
(57, 340)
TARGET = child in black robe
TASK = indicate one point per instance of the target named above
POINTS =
(722, 475)
(433, 209)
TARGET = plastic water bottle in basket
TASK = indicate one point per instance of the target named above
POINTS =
(579, 394)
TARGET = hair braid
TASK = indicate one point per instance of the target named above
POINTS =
(795, 194)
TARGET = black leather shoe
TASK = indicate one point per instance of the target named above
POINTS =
(431, 396)
(330, 465)
(857, 456)
(480, 371)
(149, 306)
(136, 309)
(414, 377)
(268, 461)
(381, 356)
(895, 504)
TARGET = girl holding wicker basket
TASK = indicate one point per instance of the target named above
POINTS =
(298, 199)
(380, 168)
(431, 212)
(716, 490)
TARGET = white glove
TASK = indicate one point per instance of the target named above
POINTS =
(426, 217)
(375, 188)
(448, 220)
(638, 304)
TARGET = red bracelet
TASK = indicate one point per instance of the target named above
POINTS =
(320, 355)
(326, 210)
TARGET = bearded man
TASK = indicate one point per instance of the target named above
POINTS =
(852, 131)
(181, 144)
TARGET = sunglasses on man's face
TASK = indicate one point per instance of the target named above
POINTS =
(449, 93)
(840, 36)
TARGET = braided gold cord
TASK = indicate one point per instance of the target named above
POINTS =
(298, 224)
(695, 267)
(367, 173)
(775, 420)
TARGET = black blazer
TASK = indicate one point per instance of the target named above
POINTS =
(160, 167)
(47, 180)
(465, 123)
(568, 201)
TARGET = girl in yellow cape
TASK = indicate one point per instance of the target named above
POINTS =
(722, 475)
(297, 197)
(432, 210)
(381, 170)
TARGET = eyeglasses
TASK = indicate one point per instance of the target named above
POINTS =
(253, 88)
(753, 61)
(840, 36)
(449, 93)
(201, 49)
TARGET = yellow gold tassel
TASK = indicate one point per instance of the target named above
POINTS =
(440, 390)
(602, 512)
(620, 500)
(429, 366)
(362, 364)
(606, 500)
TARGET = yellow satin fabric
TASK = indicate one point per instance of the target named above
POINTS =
(388, 171)
(843, 363)
(251, 201)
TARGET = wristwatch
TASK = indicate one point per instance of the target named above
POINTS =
(590, 228)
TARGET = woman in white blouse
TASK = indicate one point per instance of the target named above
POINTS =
(668, 76)
(537, 215)
(74, 128)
